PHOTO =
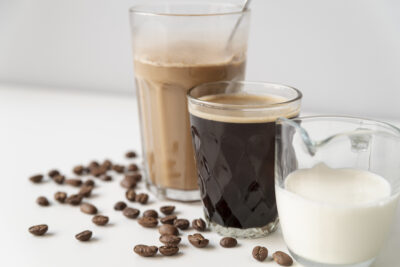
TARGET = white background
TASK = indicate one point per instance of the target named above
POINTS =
(343, 54)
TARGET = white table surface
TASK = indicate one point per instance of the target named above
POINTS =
(43, 129)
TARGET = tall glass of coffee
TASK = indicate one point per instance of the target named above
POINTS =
(178, 45)
(233, 131)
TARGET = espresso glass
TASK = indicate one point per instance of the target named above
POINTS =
(176, 46)
(233, 132)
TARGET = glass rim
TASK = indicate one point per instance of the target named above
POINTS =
(247, 107)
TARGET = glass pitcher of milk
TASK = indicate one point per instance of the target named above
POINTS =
(337, 183)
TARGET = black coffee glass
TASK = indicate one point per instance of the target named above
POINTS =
(233, 134)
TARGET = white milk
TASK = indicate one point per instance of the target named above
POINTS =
(335, 216)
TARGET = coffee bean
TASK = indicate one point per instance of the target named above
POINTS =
(42, 201)
(88, 208)
(120, 205)
(107, 164)
(84, 236)
(131, 213)
(98, 171)
(260, 253)
(74, 182)
(118, 168)
(59, 179)
(60, 196)
(74, 200)
(38, 230)
(106, 178)
(168, 229)
(130, 195)
(89, 182)
(133, 167)
(150, 213)
(145, 251)
(168, 250)
(167, 210)
(182, 224)
(198, 240)
(199, 225)
(148, 222)
(36, 178)
(282, 258)
(85, 191)
(137, 176)
(170, 240)
(100, 220)
(130, 154)
(168, 219)
(228, 242)
(53, 173)
(128, 182)
(93, 165)
(142, 198)
(78, 170)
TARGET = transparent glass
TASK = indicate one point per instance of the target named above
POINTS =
(176, 46)
(337, 186)
(234, 148)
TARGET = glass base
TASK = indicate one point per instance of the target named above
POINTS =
(309, 263)
(256, 232)
(174, 194)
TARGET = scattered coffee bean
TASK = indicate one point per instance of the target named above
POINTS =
(145, 251)
(228, 242)
(38, 230)
(74, 182)
(167, 210)
(88, 208)
(107, 164)
(130, 195)
(59, 179)
(133, 167)
(182, 224)
(282, 258)
(84, 236)
(168, 250)
(100, 220)
(130, 154)
(199, 224)
(42, 201)
(198, 240)
(89, 182)
(53, 173)
(170, 240)
(142, 198)
(36, 178)
(168, 229)
(74, 200)
(128, 182)
(78, 170)
(137, 176)
(98, 171)
(118, 168)
(106, 178)
(85, 191)
(93, 165)
(120, 205)
(168, 219)
(260, 253)
(150, 213)
(131, 213)
(60, 196)
(148, 222)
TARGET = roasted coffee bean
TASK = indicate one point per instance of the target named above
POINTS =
(53, 173)
(260, 253)
(150, 213)
(100, 220)
(170, 240)
(133, 167)
(145, 251)
(85, 191)
(74, 182)
(42, 201)
(148, 222)
(60, 196)
(38, 230)
(130, 195)
(130, 154)
(199, 225)
(228, 242)
(59, 179)
(84, 236)
(168, 250)
(131, 213)
(120, 205)
(198, 240)
(168, 219)
(107, 164)
(88, 208)
(36, 178)
(128, 182)
(98, 171)
(182, 224)
(89, 182)
(106, 178)
(137, 176)
(74, 200)
(282, 258)
(93, 165)
(168, 229)
(79, 170)
(118, 168)
(142, 198)
(167, 210)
